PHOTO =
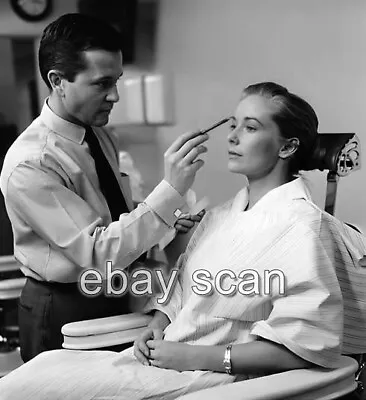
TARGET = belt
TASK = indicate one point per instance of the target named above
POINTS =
(70, 286)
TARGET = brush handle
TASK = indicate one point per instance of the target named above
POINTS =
(217, 124)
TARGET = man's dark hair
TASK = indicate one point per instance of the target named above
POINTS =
(65, 39)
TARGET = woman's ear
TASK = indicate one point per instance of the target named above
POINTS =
(289, 148)
(57, 81)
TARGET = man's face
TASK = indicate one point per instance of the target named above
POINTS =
(89, 99)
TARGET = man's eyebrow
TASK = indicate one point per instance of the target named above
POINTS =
(106, 78)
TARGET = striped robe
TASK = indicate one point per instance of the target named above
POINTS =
(315, 305)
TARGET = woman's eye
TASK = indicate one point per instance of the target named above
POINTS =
(251, 128)
(232, 127)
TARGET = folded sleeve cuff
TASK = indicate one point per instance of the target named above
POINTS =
(167, 202)
(170, 308)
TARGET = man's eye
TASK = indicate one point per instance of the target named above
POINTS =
(104, 85)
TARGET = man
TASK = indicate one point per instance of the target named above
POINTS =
(69, 208)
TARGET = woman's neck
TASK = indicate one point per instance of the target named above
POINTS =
(260, 187)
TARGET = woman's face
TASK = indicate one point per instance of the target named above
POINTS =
(254, 140)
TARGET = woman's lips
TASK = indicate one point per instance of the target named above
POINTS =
(232, 154)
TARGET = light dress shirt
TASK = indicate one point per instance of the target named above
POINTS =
(320, 314)
(61, 221)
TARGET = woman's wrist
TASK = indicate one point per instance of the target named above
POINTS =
(208, 358)
(159, 320)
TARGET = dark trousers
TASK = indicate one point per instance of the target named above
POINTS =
(44, 307)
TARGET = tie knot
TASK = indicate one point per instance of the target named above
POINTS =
(93, 142)
(89, 134)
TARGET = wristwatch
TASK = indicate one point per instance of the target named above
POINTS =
(227, 359)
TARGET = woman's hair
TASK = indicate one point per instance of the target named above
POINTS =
(65, 39)
(294, 118)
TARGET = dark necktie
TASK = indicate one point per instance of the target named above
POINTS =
(107, 180)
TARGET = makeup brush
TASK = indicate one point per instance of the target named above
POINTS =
(217, 124)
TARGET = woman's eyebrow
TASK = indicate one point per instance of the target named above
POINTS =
(253, 118)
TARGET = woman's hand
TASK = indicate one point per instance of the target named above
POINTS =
(171, 355)
(140, 348)
(186, 221)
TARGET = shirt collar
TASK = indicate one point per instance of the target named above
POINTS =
(296, 189)
(60, 126)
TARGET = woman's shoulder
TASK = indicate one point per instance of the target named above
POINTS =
(297, 214)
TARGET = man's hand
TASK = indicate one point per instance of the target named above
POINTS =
(140, 348)
(171, 355)
(180, 160)
(186, 221)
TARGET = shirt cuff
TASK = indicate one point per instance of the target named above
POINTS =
(167, 202)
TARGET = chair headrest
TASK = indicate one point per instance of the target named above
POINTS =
(337, 152)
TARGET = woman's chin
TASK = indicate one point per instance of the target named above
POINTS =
(234, 168)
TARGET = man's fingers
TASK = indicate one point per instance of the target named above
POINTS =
(190, 151)
(183, 139)
(196, 218)
(197, 164)
(185, 223)
(181, 229)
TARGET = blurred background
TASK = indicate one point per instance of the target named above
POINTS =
(206, 52)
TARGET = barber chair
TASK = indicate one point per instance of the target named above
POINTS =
(340, 155)
(11, 284)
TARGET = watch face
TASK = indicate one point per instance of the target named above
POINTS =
(31, 10)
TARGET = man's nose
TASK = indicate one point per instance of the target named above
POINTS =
(113, 94)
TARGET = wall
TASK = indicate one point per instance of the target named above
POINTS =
(214, 48)
(141, 142)
(16, 97)
(12, 25)
(8, 100)
(315, 48)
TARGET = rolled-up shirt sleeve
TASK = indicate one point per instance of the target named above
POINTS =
(47, 206)
(308, 318)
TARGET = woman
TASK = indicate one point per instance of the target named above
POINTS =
(270, 225)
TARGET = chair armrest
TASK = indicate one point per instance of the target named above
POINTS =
(8, 264)
(11, 289)
(314, 383)
(104, 332)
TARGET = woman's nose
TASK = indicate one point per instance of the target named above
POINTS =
(232, 137)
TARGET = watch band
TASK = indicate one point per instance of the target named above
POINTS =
(227, 359)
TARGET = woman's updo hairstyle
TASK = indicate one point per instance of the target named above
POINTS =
(295, 118)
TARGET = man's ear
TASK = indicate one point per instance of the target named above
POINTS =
(289, 148)
(56, 80)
